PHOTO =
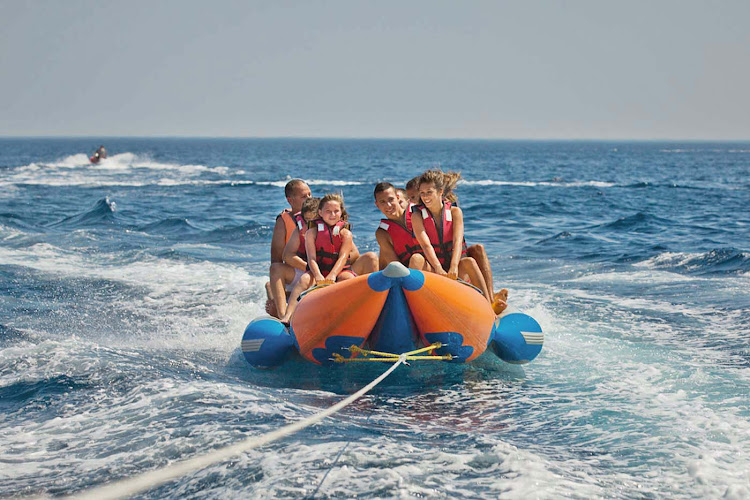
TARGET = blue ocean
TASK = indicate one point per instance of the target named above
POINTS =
(126, 286)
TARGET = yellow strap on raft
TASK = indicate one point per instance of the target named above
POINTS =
(317, 286)
(390, 357)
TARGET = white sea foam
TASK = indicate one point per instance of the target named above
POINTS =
(312, 182)
(124, 170)
(207, 302)
(639, 398)
(651, 276)
(671, 259)
(117, 170)
(687, 261)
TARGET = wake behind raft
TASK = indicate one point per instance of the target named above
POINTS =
(396, 310)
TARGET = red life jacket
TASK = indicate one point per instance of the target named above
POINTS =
(302, 227)
(408, 217)
(441, 238)
(404, 242)
(328, 245)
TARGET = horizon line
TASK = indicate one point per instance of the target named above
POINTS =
(374, 138)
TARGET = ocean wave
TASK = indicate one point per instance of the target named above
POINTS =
(103, 212)
(155, 299)
(11, 220)
(125, 162)
(553, 183)
(11, 335)
(704, 150)
(639, 222)
(312, 182)
(171, 225)
(238, 234)
(91, 179)
(563, 235)
(125, 169)
(716, 261)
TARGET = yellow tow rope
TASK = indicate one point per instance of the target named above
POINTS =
(390, 357)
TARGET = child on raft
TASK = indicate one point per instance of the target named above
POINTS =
(439, 228)
(328, 243)
(412, 190)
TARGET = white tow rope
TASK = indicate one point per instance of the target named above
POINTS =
(129, 487)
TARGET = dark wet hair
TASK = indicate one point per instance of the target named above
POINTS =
(291, 186)
(413, 183)
(382, 186)
(310, 205)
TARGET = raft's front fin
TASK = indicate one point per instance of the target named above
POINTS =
(395, 331)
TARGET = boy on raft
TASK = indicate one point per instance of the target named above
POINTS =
(328, 243)
(439, 228)
(394, 233)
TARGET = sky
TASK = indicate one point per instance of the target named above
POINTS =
(531, 69)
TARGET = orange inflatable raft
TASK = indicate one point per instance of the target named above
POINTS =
(396, 310)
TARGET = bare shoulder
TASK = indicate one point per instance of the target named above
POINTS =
(382, 235)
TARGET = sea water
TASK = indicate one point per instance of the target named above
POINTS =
(125, 288)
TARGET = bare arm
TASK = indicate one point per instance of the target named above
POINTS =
(290, 252)
(458, 239)
(387, 252)
(424, 241)
(346, 247)
(278, 240)
(310, 236)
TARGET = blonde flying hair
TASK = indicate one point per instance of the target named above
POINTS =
(444, 181)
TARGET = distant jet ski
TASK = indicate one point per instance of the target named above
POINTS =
(98, 155)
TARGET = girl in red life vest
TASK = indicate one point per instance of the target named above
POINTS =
(439, 228)
(328, 242)
(295, 256)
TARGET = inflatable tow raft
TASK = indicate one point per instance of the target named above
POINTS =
(394, 311)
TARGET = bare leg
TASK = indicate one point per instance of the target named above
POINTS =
(281, 275)
(345, 275)
(270, 304)
(478, 253)
(468, 266)
(417, 261)
(500, 302)
(303, 284)
(366, 263)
